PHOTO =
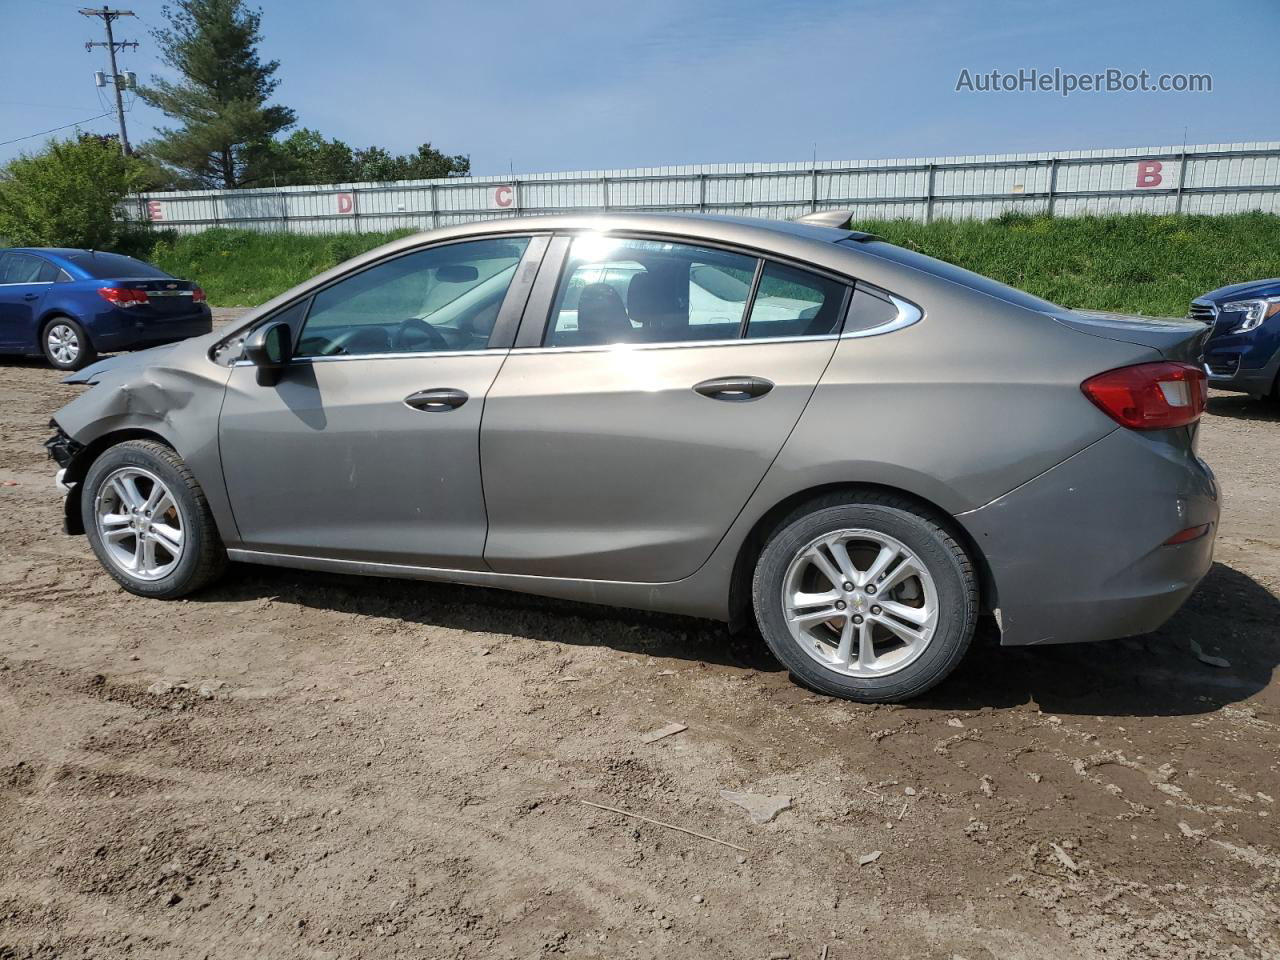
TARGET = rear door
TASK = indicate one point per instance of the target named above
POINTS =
(368, 447)
(627, 430)
(24, 278)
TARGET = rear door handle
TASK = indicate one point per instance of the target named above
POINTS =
(439, 400)
(734, 389)
(31, 296)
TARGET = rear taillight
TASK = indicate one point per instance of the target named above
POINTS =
(1189, 534)
(197, 296)
(1150, 396)
(122, 296)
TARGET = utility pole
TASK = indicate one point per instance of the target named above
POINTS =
(112, 45)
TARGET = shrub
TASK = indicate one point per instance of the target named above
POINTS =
(70, 194)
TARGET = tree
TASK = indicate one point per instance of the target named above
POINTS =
(306, 157)
(226, 137)
(70, 194)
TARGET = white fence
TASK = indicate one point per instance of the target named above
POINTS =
(1206, 178)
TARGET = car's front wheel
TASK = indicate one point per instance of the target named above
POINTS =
(66, 345)
(148, 522)
(870, 600)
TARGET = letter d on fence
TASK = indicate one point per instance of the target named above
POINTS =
(346, 203)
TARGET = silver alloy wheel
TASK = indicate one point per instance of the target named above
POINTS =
(64, 345)
(139, 522)
(859, 602)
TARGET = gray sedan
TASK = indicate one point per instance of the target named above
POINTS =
(859, 448)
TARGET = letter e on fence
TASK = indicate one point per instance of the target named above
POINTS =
(154, 210)
(1149, 173)
(346, 203)
(504, 195)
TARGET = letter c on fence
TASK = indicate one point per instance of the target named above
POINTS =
(346, 203)
(1149, 173)
(504, 195)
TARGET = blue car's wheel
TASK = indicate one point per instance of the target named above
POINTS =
(66, 346)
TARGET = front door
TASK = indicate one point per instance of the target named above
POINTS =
(368, 447)
(623, 446)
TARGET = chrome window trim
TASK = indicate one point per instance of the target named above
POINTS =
(673, 345)
(30, 283)
(908, 314)
(418, 355)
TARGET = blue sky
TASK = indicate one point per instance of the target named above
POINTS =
(585, 85)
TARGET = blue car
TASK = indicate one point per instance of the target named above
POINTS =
(1243, 351)
(71, 305)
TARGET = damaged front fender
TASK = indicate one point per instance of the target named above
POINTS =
(172, 394)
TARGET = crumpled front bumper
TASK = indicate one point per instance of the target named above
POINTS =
(63, 450)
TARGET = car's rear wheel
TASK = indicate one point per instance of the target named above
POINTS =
(870, 600)
(66, 345)
(148, 522)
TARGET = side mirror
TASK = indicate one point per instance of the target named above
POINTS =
(269, 348)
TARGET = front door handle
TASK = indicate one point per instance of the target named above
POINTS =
(439, 400)
(734, 389)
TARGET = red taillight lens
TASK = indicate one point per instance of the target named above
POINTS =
(1187, 535)
(197, 296)
(122, 296)
(1150, 396)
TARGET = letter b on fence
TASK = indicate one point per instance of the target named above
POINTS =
(1149, 173)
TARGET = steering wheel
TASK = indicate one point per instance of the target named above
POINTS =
(417, 326)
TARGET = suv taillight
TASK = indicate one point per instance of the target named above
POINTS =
(198, 296)
(122, 296)
(1150, 396)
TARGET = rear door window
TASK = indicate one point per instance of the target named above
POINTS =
(791, 302)
(623, 290)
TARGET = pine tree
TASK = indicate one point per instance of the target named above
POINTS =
(222, 99)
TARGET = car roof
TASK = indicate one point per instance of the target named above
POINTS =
(728, 228)
(786, 238)
(55, 251)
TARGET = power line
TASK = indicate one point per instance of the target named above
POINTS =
(4, 143)
(107, 15)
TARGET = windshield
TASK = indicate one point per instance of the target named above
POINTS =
(109, 266)
(949, 271)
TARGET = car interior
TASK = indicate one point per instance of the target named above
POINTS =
(670, 299)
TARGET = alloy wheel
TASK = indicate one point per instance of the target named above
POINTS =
(860, 602)
(139, 523)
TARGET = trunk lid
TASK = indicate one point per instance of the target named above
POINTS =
(165, 297)
(1176, 338)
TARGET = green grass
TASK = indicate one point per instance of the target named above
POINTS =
(1135, 264)
(241, 268)
(1131, 264)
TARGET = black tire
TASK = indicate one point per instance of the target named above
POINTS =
(202, 557)
(949, 566)
(85, 353)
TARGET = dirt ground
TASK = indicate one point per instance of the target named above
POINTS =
(293, 765)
